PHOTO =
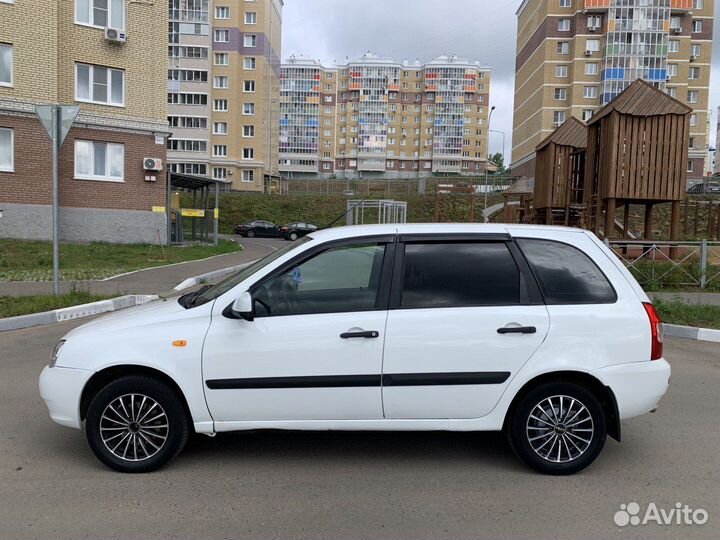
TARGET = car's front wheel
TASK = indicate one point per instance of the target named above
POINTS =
(251, 234)
(136, 424)
(558, 428)
(293, 236)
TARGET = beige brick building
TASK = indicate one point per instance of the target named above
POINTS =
(224, 90)
(59, 53)
(377, 118)
(573, 56)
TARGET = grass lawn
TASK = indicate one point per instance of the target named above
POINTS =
(678, 312)
(22, 260)
(23, 305)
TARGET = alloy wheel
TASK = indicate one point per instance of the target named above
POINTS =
(134, 427)
(560, 429)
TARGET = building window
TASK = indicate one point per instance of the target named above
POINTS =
(98, 84)
(222, 36)
(101, 13)
(691, 143)
(698, 4)
(220, 173)
(564, 25)
(592, 68)
(690, 166)
(587, 114)
(6, 150)
(674, 46)
(594, 22)
(222, 59)
(672, 70)
(671, 91)
(592, 45)
(220, 128)
(693, 96)
(590, 92)
(222, 12)
(221, 81)
(250, 62)
(561, 71)
(6, 65)
(248, 176)
(188, 122)
(693, 120)
(249, 86)
(250, 17)
(187, 145)
(188, 75)
(563, 47)
(694, 73)
(697, 27)
(248, 131)
(558, 118)
(220, 105)
(186, 98)
(695, 50)
(675, 23)
(248, 153)
(561, 94)
(248, 109)
(219, 150)
(250, 40)
(99, 161)
(565, 3)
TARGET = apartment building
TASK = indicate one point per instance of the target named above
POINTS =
(378, 118)
(60, 53)
(574, 56)
(223, 90)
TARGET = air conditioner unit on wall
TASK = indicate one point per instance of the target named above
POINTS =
(588, 53)
(152, 164)
(115, 35)
(677, 30)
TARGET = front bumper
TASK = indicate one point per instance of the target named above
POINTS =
(61, 388)
(638, 386)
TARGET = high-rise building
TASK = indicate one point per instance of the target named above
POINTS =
(108, 57)
(375, 117)
(574, 56)
(224, 79)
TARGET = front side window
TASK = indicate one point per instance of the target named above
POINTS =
(98, 84)
(565, 274)
(101, 13)
(6, 150)
(6, 65)
(459, 274)
(99, 161)
(342, 279)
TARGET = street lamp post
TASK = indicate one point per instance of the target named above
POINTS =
(503, 136)
(488, 155)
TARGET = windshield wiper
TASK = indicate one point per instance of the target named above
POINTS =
(188, 300)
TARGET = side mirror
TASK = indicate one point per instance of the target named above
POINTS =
(241, 308)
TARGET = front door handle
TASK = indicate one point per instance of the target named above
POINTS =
(517, 330)
(367, 334)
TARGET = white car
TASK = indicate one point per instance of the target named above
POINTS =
(537, 331)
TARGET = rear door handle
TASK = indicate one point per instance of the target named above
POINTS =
(517, 330)
(369, 334)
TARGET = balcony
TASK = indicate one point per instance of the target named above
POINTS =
(188, 15)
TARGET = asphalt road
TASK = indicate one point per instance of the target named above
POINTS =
(354, 485)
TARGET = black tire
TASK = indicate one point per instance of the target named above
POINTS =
(293, 236)
(251, 234)
(553, 397)
(166, 401)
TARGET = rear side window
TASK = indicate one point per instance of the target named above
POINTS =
(565, 274)
(438, 275)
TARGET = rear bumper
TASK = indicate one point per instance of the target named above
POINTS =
(638, 386)
(61, 389)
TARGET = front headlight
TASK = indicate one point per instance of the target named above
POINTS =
(56, 352)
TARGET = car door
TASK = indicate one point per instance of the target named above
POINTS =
(465, 315)
(314, 348)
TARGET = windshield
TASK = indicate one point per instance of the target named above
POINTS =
(208, 294)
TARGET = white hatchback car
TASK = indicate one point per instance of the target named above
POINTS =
(537, 331)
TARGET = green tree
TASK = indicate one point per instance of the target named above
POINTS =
(499, 160)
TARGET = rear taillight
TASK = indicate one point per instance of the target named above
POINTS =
(656, 330)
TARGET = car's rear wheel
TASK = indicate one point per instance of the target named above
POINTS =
(136, 424)
(558, 428)
(293, 236)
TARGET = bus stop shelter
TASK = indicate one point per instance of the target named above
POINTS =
(194, 216)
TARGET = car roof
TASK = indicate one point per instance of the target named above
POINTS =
(338, 233)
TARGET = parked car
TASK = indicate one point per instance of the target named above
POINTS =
(537, 331)
(293, 231)
(258, 227)
(706, 188)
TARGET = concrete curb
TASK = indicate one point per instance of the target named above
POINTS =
(690, 332)
(74, 312)
(210, 276)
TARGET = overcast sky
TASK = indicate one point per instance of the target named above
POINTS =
(479, 30)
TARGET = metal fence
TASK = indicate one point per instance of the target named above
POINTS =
(391, 188)
(671, 264)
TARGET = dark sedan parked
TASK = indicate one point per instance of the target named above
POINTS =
(707, 188)
(293, 231)
(251, 229)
